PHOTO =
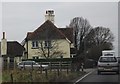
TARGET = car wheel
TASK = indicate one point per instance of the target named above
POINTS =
(98, 72)
(22, 68)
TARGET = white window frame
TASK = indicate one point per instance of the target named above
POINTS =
(47, 44)
(35, 44)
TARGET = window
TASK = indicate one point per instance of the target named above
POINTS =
(28, 63)
(5, 59)
(48, 44)
(35, 57)
(108, 54)
(35, 44)
(108, 59)
(11, 59)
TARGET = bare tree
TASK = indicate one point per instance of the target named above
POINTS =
(98, 36)
(98, 39)
(50, 49)
(81, 28)
(95, 52)
(88, 39)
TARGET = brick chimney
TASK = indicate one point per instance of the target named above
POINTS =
(3, 45)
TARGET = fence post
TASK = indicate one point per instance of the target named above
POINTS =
(23, 66)
(40, 67)
(82, 64)
(11, 77)
(60, 63)
(8, 63)
(50, 66)
(31, 76)
(14, 63)
(71, 66)
(67, 68)
(32, 66)
(58, 73)
(46, 74)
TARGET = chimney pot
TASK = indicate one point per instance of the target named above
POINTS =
(3, 35)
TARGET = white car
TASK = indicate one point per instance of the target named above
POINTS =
(108, 64)
(30, 65)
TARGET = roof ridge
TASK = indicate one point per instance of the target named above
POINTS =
(59, 31)
(52, 26)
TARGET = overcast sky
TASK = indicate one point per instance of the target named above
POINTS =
(22, 17)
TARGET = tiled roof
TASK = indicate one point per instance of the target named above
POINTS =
(14, 48)
(49, 31)
(68, 32)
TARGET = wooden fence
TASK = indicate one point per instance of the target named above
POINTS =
(56, 65)
(64, 63)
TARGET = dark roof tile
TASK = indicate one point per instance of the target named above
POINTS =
(46, 31)
(14, 48)
(49, 31)
(68, 32)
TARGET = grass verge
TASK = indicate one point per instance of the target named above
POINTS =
(36, 76)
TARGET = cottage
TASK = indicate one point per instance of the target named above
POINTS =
(11, 52)
(49, 41)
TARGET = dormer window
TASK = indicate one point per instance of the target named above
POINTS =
(35, 44)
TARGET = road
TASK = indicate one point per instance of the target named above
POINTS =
(104, 78)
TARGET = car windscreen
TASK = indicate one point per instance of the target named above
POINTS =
(108, 59)
(28, 63)
(108, 54)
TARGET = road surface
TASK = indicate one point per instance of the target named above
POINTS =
(103, 78)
